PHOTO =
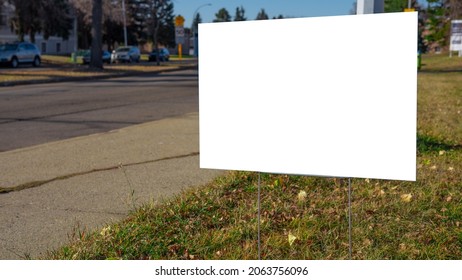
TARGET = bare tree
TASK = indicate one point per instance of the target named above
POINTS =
(112, 21)
(455, 8)
(160, 23)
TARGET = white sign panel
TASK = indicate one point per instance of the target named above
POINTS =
(179, 34)
(456, 35)
(338, 101)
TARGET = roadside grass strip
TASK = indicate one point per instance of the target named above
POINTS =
(307, 217)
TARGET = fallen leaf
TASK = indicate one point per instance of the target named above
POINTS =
(291, 238)
(276, 183)
(402, 246)
(302, 196)
(367, 242)
(105, 230)
(441, 153)
(406, 197)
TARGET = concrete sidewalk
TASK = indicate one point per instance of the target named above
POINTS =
(52, 189)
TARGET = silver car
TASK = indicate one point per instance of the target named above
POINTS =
(126, 54)
(14, 54)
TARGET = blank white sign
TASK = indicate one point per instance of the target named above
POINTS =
(327, 96)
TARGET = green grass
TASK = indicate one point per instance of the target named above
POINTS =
(57, 59)
(391, 219)
(441, 63)
(175, 57)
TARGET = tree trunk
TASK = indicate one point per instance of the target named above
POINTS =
(32, 37)
(97, 35)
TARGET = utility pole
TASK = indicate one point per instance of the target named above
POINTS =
(125, 22)
(194, 29)
(369, 7)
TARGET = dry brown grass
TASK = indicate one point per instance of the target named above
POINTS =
(306, 217)
(58, 68)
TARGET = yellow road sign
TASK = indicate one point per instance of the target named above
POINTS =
(409, 10)
(179, 20)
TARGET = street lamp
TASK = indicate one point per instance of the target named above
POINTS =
(194, 31)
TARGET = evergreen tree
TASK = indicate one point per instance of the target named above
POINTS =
(240, 14)
(394, 6)
(51, 17)
(61, 21)
(152, 20)
(25, 20)
(160, 23)
(222, 16)
(196, 21)
(138, 12)
(262, 15)
(437, 22)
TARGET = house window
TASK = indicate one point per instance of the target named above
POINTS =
(44, 47)
(58, 47)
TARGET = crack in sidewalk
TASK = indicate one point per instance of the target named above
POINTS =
(76, 210)
(39, 183)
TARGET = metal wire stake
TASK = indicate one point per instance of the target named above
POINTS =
(259, 238)
(349, 216)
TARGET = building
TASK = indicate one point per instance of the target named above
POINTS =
(53, 45)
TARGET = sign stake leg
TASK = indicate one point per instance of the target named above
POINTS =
(259, 234)
(349, 218)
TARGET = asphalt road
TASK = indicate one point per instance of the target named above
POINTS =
(36, 114)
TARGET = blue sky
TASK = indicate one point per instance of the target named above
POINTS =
(288, 8)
